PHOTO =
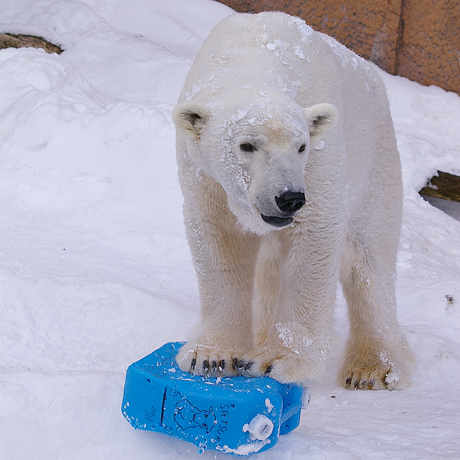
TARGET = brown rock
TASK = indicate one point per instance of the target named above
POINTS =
(443, 185)
(27, 41)
(430, 45)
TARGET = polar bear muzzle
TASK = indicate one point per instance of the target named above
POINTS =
(277, 221)
(289, 203)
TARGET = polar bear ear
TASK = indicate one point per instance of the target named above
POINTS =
(320, 118)
(190, 117)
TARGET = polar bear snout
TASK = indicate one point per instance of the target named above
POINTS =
(288, 203)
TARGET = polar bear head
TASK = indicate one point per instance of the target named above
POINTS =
(257, 151)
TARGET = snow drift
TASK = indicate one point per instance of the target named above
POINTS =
(95, 270)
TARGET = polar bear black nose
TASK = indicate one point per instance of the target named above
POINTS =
(290, 202)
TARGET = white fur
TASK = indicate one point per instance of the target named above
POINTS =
(267, 293)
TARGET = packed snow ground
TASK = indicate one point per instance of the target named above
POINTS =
(95, 270)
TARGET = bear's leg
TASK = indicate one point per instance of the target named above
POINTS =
(298, 337)
(266, 287)
(224, 259)
(377, 356)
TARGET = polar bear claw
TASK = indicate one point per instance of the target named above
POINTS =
(209, 360)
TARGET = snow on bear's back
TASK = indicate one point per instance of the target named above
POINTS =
(273, 49)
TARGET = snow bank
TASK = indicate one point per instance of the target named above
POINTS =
(95, 271)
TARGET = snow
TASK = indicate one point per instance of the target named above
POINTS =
(95, 270)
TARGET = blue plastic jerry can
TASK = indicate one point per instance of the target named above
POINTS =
(235, 415)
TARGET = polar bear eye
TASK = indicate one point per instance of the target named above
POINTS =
(302, 148)
(247, 147)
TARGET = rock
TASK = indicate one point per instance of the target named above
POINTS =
(25, 41)
(444, 185)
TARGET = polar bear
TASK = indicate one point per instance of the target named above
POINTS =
(292, 181)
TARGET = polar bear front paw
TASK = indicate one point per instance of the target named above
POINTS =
(279, 363)
(209, 359)
(386, 369)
